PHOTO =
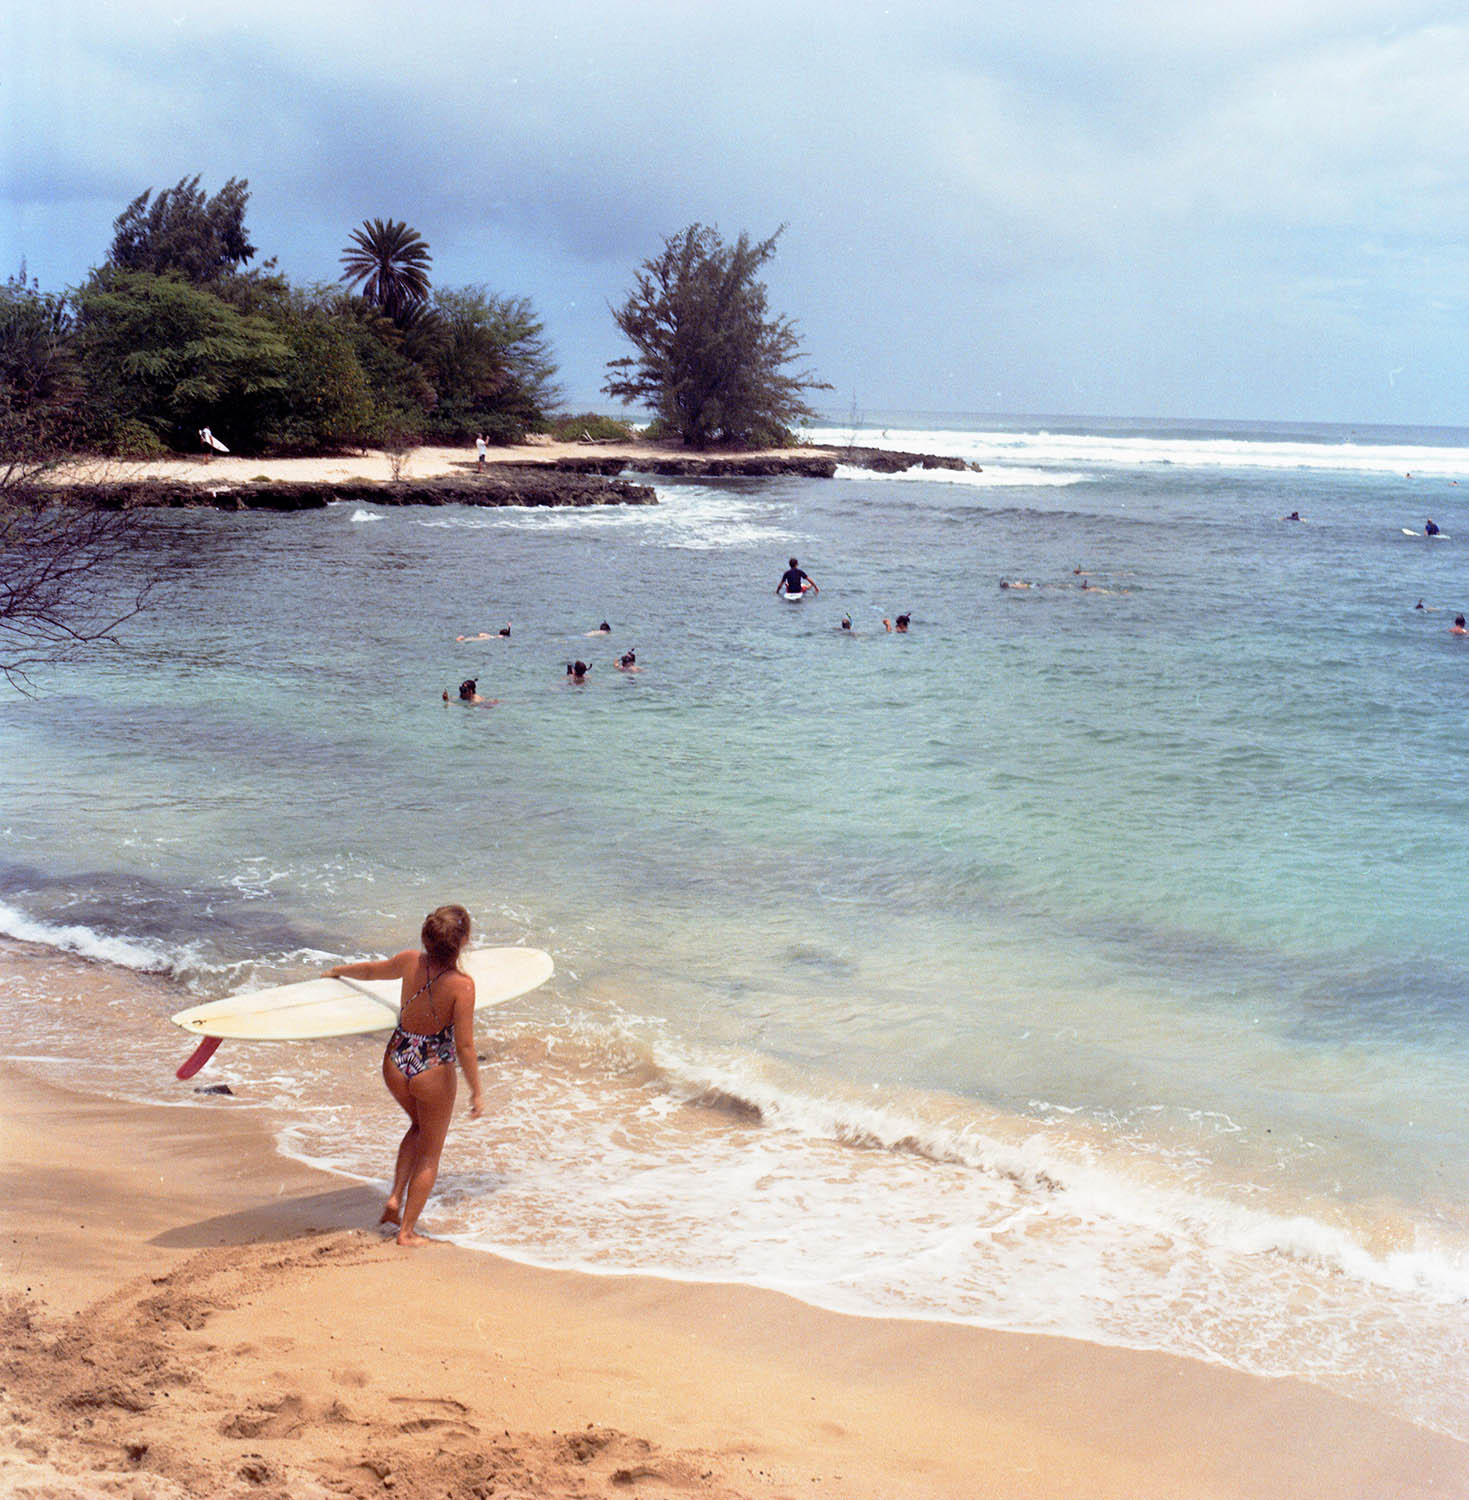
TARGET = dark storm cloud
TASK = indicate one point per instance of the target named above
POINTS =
(1139, 209)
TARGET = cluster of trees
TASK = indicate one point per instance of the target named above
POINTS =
(176, 331)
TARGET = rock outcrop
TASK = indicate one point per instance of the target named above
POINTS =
(504, 484)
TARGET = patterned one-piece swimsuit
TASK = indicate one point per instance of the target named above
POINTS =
(411, 1051)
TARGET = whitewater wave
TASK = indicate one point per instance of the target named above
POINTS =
(990, 478)
(1110, 452)
(112, 948)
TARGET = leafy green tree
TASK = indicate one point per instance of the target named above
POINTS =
(392, 261)
(169, 358)
(490, 366)
(325, 401)
(38, 369)
(712, 361)
(400, 394)
(184, 230)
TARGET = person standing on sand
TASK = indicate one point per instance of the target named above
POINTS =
(435, 1026)
(481, 449)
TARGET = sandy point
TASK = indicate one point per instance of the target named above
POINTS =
(225, 471)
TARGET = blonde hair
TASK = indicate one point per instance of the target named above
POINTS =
(445, 932)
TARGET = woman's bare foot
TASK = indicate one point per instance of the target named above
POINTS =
(412, 1237)
(391, 1213)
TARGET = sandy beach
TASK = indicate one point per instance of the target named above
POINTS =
(421, 463)
(189, 1314)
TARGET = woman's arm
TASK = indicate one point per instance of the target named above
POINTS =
(464, 1047)
(399, 966)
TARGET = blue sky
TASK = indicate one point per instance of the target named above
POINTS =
(1251, 210)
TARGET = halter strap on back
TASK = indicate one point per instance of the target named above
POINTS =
(428, 984)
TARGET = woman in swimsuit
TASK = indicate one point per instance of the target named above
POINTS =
(435, 1026)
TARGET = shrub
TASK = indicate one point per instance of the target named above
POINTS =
(602, 429)
(136, 440)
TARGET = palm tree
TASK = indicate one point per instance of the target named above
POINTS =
(394, 260)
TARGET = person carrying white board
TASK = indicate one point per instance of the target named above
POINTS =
(435, 1029)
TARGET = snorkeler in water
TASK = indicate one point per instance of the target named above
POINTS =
(469, 693)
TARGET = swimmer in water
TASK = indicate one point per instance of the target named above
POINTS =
(900, 624)
(1295, 515)
(469, 693)
(796, 580)
(628, 662)
(1458, 627)
(576, 671)
(603, 629)
(504, 631)
(846, 622)
(1015, 583)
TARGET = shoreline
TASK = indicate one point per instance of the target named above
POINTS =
(529, 474)
(243, 1331)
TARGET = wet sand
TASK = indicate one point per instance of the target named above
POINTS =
(188, 1314)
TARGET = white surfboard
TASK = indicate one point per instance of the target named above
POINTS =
(791, 598)
(1433, 536)
(344, 1007)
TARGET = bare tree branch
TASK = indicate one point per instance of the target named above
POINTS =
(65, 582)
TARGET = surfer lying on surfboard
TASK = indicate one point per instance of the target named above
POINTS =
(435, 1029)
(796, 581)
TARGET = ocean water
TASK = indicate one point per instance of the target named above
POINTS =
(1089, 960)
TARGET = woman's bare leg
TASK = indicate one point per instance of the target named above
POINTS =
(407, 1147)
(433, 1093)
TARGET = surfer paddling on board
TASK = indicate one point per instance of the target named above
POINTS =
(1430, 527)
(796, 580)
(435, 1028)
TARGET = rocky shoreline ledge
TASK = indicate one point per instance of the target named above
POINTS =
(563, 480)
(505, 485)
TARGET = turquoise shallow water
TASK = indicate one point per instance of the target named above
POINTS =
(1087, 960)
